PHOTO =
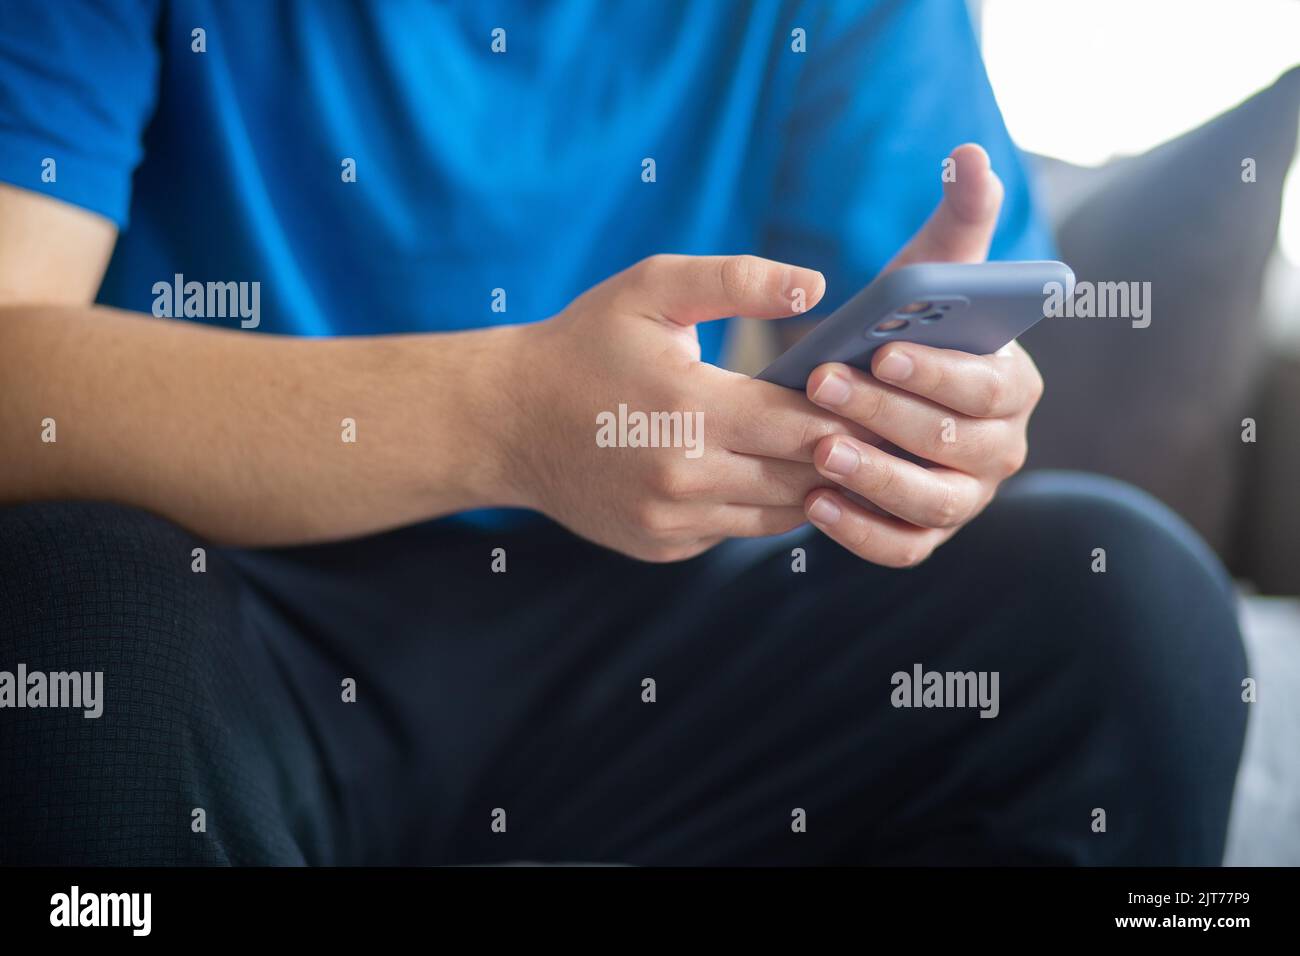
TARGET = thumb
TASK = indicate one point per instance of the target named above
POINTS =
(690, 289)
(961, 227)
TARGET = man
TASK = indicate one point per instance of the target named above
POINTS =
(400, 258)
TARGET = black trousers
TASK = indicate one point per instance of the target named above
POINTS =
(507, 716)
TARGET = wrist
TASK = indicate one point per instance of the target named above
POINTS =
(482, 388)
(497, 385)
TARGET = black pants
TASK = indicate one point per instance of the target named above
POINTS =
(519, 700)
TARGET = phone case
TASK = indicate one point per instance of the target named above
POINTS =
(976, 307)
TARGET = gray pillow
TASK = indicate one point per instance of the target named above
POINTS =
(1162, 406)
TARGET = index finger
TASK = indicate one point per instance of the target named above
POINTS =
(691, 289)
(778, 422)
(1000, 385)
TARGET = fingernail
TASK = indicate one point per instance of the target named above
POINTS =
(824, 511)
(843, 459)
(894, 367)
(834, 390)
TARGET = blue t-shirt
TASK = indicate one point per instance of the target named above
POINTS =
(811, 132)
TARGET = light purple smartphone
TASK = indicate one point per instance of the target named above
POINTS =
(975, 308)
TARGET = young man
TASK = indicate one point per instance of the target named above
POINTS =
(399, 258)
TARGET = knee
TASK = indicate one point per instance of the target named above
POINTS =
(1139, 585)
(91, 589)
(103, 603)
(1134, 559)
(96, 581)
(1134, 624)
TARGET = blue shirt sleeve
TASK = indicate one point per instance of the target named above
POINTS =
(885, 93)
(78, 83)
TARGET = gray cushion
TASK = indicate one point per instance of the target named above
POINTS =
(1161, 406)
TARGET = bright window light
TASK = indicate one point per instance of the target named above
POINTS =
(1088, 80)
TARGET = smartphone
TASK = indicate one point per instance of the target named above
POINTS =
(976, 307)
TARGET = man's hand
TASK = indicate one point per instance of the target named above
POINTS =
(966, 414)
(631, 341)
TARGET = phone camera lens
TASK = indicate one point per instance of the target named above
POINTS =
(890, 325)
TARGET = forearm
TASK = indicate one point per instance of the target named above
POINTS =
(240, 437)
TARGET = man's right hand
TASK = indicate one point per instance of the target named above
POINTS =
(631, 341)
